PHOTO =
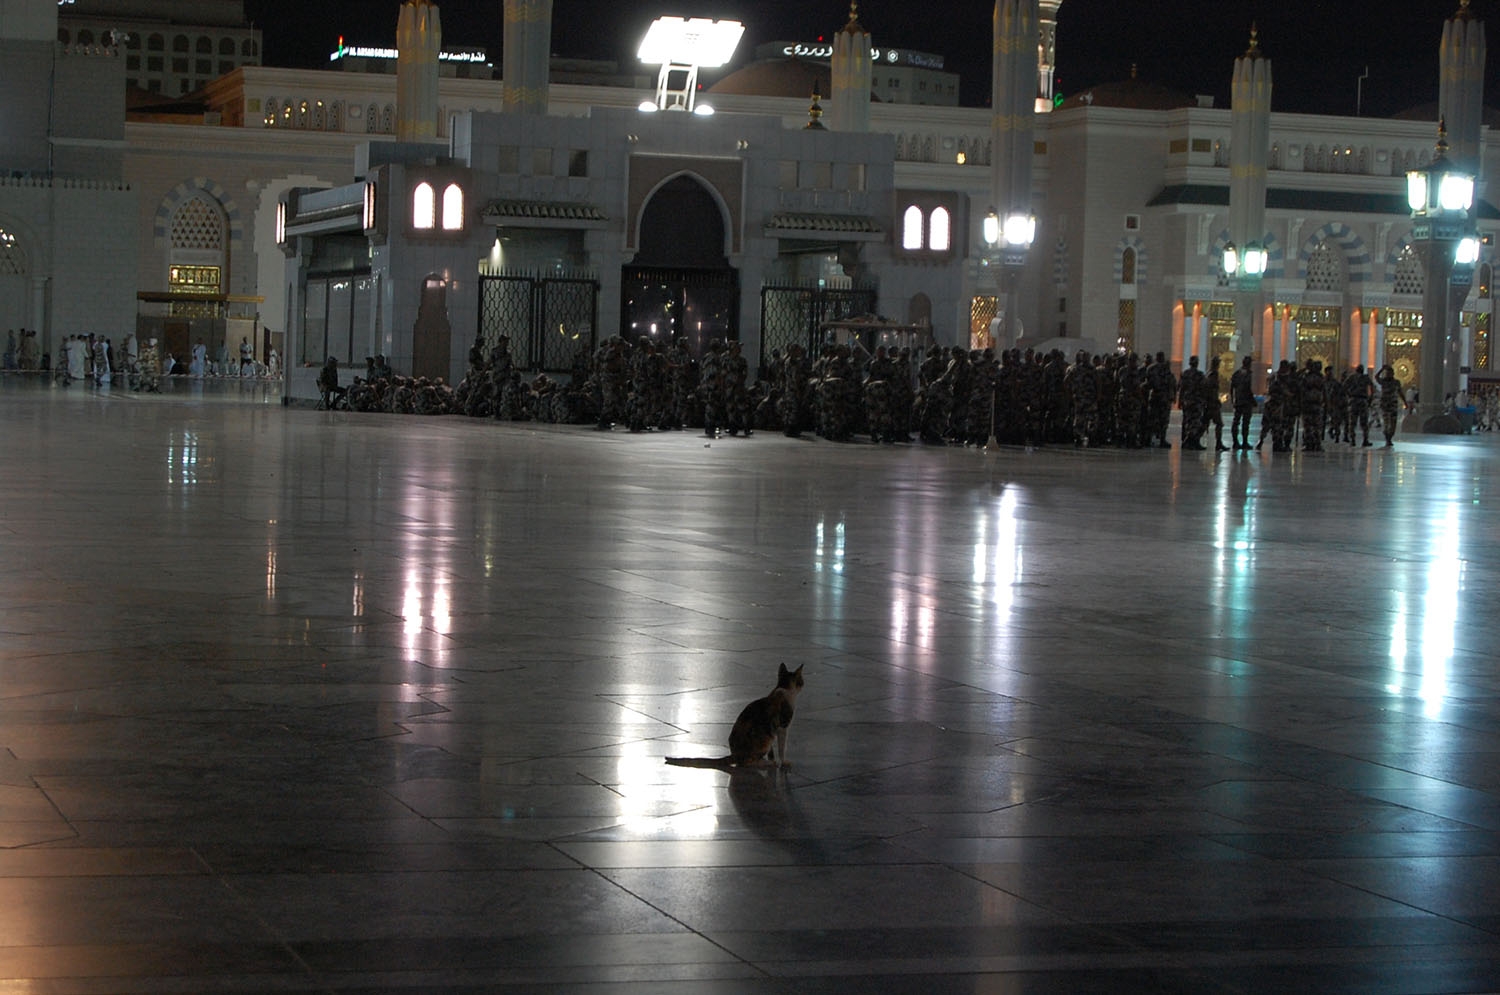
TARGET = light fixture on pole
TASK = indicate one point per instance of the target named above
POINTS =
(1441, 197)
(682, 46)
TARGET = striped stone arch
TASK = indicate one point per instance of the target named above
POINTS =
(1131, 242)
(1356, 253)
(1394, 255)
(162, 223)
(1275, 255)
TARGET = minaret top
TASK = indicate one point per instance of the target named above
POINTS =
(814, 112)
(1442, 142)
(1464, 13)
(855, 28)
(1254, 52)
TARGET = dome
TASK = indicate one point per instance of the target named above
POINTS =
(1132, 93)
(777, 78)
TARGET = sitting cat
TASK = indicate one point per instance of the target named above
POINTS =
(760, 731)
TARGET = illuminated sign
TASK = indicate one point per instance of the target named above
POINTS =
(889, 56)
(368, 52)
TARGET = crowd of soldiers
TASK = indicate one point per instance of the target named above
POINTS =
(954, 396)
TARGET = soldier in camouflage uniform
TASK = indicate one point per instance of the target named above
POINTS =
(1312, 407)
(982, 393)
(1033, 399)
(1391, 397)
(1335, 406)
(1130, 403)
(711, 388)
(1242, 396)
(878, 398)
(1082, 387)
(1213, 406)
(837, 396)
(791, 402)
(1106, 424)
(1161, 388)
(902, 395)
(1190, 398)
(611, 373)
(734, 370)
(1358, 390)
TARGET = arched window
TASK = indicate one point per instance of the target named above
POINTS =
(1127, 267)
(226, 46)
(335, 117)
(372, 119)
(423, 207)
(85, 37)
(155, 43)
(1325, 268)
(180, 43)
(388, 119)
(1409, 277)
(317, 116)
(302, 114)
(940, 230)
(270, 112)
(911, 228)
(198, 224)
(453, 208)
(205, 45)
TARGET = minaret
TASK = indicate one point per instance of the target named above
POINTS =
(419, 39)
(849, 102)
(1013, 104)
(1046, 55)
(1249, 155)
(527, 55)
(1461, 92)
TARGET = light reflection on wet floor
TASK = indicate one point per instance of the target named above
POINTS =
(383, 700)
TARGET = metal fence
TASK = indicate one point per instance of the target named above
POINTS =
(793, 314)
(548, 319)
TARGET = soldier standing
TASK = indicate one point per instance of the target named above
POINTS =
(711, 389)
(1161, 387)
(1358, 389)
(1082, 387)
(1391, 398)
(736, 397)
(1336, 403)
(1312, 407)
(1213, 405)
(1242, 396)
(1190, 398)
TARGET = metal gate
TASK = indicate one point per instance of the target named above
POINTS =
(793, 314)
(548, 319)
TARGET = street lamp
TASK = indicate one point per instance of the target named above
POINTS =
(1008, 240)
(1440, 197)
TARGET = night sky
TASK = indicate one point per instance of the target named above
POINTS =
(1318, 48)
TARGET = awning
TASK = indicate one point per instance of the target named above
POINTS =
(542, 214)
(841, 227)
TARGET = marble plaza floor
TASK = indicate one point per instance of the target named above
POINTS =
(297, 701)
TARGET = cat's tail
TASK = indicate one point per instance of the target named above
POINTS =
(715, 763)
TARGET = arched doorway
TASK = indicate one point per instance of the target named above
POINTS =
(680, 286)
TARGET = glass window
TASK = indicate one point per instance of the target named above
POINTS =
(578, 163)
(423, 207)
(1127, 267)
(453, 208)
(180, 43)
(315, 323)
(911, 228)
(940, 229)
(154, 43)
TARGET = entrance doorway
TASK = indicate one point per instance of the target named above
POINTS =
(1318, 335)
(681, 286)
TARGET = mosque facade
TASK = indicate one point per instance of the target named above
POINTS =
(294, 186)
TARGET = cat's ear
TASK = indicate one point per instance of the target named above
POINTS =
(781, 671)
(798, 671)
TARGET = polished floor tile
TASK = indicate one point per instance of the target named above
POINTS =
(310, 702)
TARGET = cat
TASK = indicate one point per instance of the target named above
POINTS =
(760, 731)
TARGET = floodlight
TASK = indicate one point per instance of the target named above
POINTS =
(648, 107)
(699, 41)
(703, 110)
(1020, 229)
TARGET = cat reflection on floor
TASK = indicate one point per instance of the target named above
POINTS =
(759, 734)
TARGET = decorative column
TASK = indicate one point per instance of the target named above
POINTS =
(1249, 156)
(527, 55)
(419, 39)
(1461, 90)
(1046, 55)
(1013, 103)
(849, 104)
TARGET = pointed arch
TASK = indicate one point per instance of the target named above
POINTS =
(1356, 255)
(198, 185)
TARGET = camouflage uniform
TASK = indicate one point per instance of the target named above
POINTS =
(734, 371)
(1213, 406)
(1357, 391)
(1190, 397)
(1082, 386)
(1391, 396)
(1131, 403)
(1161, 387)
(1242, 396)
(792, 400)
(1312, 407)
(711, 388)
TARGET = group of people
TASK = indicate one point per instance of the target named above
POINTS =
(954, 396)
(95, 360)
(225, 366)
(24, 355)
